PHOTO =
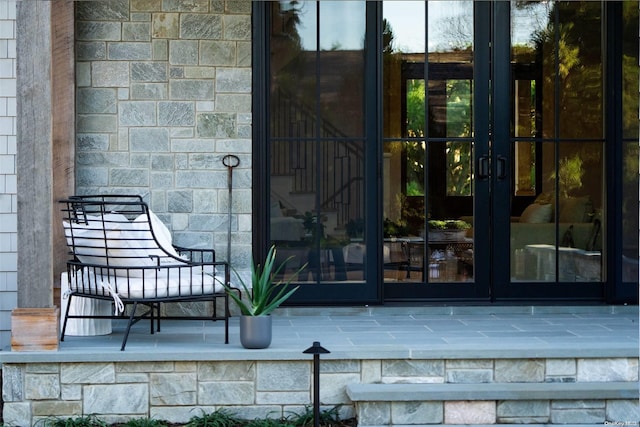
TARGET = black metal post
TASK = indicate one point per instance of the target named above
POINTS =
(316, 349)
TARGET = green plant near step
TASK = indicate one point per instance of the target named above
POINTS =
(145, 422)
(327, 417)
(87, 421)
(218, 418)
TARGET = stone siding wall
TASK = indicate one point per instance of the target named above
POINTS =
(8, 203)
(163, 93)
(176, 391)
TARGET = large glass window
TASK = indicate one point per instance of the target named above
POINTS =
(558, 145)
(316, 187)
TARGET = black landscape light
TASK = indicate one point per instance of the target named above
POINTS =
(316, 349)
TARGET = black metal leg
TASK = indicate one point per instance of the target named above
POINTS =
(66, 316)
(126, 332)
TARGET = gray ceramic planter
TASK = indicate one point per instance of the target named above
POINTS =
(255, 331)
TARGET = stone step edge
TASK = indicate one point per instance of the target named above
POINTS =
(379, 392)
(508, 425)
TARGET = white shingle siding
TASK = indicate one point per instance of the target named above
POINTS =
(8, 205)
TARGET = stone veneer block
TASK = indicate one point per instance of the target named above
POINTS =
(236, 80)
(116, 399)
(35, 329)
(225, 393)
(619, 369)
(216, 125)
(237, 27)
(218, 53)
(176, 113)
(467, 412)
(56, 409)
(137, 113)
(623, 411)
(412, 368)
(183, 52)
(283, 398)
(87, 51)
(41, 386)
(173, 389)
(149, 71)
(374, 413)
(417, 413)
(577, 416)
(110, 74)
(12, 383)
(129, 177)
(371, 371)
(537, 409)
(131, 51)
(469, 376)
(146, 91)
(561, 367)
(519, 370)
(113, 10)
(234, 102)
(96, 101)
(149, 139)
(87, 373)
(165, 25)
(185, 6)
(17, 414)
(200, 26)
(97, 31)
(136, 31)
(283, 376)
(333, 387)
(191, 90)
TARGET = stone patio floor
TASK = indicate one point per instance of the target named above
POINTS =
(376, 332)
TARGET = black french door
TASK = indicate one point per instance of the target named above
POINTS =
(449, 151)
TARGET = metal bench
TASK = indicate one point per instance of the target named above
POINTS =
(122, 252)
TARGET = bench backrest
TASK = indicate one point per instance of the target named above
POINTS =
(116, 231)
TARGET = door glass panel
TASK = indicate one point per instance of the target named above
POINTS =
(428, 146)
(317, 155)
(558, 158)
(630, 195)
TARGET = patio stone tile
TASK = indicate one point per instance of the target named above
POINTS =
(388, 332)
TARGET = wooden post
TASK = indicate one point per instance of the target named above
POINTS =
(44, 158)
(34, 329)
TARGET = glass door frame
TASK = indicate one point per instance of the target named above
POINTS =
(479, 288)
(492, 140)
(503, 288)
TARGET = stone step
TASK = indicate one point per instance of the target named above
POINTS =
(514, 425)
(491, 391)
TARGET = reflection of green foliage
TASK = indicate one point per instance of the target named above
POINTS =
(415, 168)
(355, 228)
(394, 229)
(448, 224)
(570, 173)
(415, 108)
(572, 42)
(458, 167)
(415, 129)
(630, 163)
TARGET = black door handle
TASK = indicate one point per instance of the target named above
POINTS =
(483, 167)
(501, 166)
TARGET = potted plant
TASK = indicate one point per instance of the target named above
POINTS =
(449, 229)
(264, 296)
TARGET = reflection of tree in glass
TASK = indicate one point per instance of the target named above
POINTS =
(415, 129)
(577, 54)
(450, 26)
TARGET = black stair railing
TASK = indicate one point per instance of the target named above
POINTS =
(333, 160)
